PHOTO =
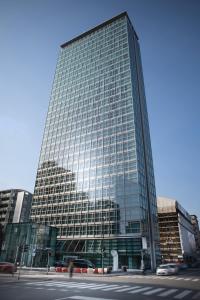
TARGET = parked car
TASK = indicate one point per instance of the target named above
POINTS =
(164, 270)
(83, 263)
(60, 264)
(7, 267)
(174, 267)
(182, 266)
(78, 263)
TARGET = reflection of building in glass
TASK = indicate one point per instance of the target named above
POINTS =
(177, 241)
(95, 178)
(15, 206)
(38, 239)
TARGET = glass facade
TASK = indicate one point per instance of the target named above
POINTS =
(38, 238)
(95, 179)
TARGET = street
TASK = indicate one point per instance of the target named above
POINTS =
(184, 286)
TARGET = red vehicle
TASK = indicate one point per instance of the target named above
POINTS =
(7, 267)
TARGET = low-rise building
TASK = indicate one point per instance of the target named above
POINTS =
(15, 206)
(1, 236)
(195, 225)
(177, 241)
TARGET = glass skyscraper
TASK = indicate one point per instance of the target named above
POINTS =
(95, 179)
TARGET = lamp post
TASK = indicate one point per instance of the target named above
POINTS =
(144, 248)
(162, 259)
(24, 248)
(102, 245)
(48, 253)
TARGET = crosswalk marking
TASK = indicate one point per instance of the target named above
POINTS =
(128, 289)
(196, 296)
(135, 289)
(169, 292)
(86, 286)
(113, 287)
(154, 291)
(75, 284)
(160, 277)
(187, 279)
(38, 282)
(79, 285)
(86, 298)
(60, 285)
(72, 283)
(140, 290)
(99, 286)
(183, 294)
(155, 277)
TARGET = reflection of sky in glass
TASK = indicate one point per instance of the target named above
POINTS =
(93, 131)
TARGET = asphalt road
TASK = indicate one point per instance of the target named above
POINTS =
(184, 286)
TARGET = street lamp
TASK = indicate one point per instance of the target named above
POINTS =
(142, 260)
(162, 259)
(102, 245)
(144, 248)
(48, 253)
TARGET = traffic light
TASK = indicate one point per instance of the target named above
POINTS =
(26, 247)
(20, 247)
(23, 248)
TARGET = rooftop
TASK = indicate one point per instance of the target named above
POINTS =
(98, 27)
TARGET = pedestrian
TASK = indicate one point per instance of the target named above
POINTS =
(71, 268)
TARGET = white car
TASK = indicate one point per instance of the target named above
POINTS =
(164, 270)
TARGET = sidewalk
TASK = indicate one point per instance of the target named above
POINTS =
(41, 273)
(85, 274)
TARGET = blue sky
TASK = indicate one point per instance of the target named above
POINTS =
(169, 32)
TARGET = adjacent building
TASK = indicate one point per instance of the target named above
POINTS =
(195, 225)
(1, 236)
(177, 241)
(95, 179)
(15, 206)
